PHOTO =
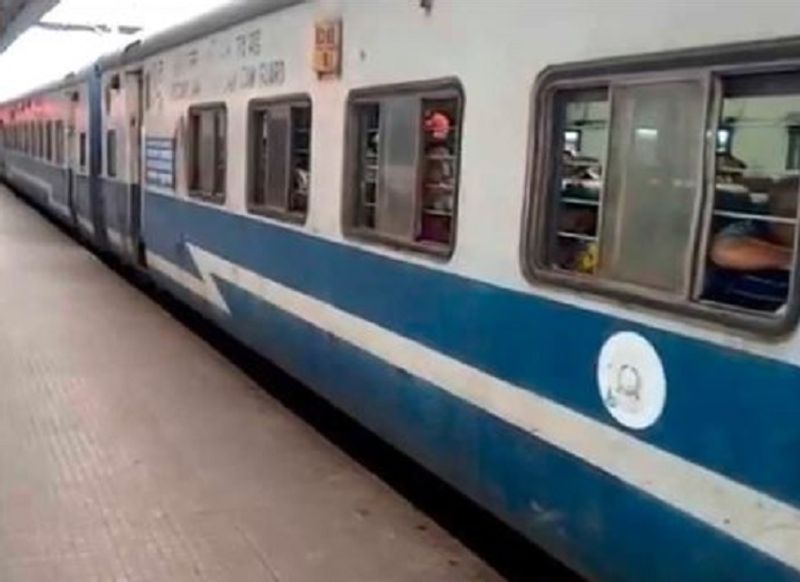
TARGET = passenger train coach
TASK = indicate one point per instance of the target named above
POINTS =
(549, 250)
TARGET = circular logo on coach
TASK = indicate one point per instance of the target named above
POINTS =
(631, 380)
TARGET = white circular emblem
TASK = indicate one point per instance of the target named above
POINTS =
(631, 380)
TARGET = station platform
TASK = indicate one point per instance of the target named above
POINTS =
(131, 450)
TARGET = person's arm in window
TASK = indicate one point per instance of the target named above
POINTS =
(749, 253)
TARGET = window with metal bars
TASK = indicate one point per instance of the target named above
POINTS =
(59, 142)
(648, 204)
(111, 153)
(403, 159)
(42, 133)
(82, 151)
(280, 158)
(207, 152)
(48, 141)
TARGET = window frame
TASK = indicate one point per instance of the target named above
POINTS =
(42, 128)
(58, 143)
(111, 162)
(539, 201)
(48, 141)
(38, 136)
(83, 153)
(425, 89)
(260, 105)
(793, 139)
(192, 151)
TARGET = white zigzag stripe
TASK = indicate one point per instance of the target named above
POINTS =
(742, 512)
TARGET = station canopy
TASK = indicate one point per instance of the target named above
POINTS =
(17, 16)
(82, 31)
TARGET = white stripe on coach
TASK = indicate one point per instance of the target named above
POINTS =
(114, 237)
(42, 184)
(86, 223)
(742, 512)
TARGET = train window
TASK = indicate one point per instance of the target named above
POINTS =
(573, 246)
(404, 154)
(111, 153)
(35, 139)
(752, 224)
(793, 153)
(59, 143)
(650, 147)
(82, 153)
(207, 152)
(48, 141)
(280, 163)
(40, 152)
(655, 143)
(147, 92)
(642, 191)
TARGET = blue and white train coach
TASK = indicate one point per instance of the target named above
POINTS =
(548, 249)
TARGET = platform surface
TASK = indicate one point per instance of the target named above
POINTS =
(130, 450)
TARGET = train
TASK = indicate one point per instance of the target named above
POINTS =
(547, 250)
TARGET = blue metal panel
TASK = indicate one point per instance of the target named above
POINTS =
(732, 412)
(592, 521)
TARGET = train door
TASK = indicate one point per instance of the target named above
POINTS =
(134, 103)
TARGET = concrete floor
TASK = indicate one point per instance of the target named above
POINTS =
(132, 451)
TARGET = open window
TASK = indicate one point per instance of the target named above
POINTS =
(59, 142)
(751, 229)
(207, 152)
(48, 141)
(111, 153)
(280, 158)
(37, 139)
(676, 189)
(42, 135)
(635, 177)
(403, 156)
(82, 151)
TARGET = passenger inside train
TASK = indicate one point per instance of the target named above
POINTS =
(751, 250)
(440, 145)
(749, 228)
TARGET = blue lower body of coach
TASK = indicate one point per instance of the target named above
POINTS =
(590, 519)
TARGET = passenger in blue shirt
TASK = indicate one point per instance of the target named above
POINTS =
(752, 259)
